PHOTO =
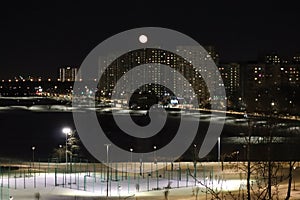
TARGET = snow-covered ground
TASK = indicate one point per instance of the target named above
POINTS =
(89, 184)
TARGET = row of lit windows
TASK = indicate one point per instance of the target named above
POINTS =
(24, 80)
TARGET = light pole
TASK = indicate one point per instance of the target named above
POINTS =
(237, 160)
(33, 148)
(66, 131)
(131, 150)
(154, 147)
(195, 163)
(155, 162)
(107, 163)
(219, 149)
(195, 146)
(248, 154)
(294, 178)
(60, 152)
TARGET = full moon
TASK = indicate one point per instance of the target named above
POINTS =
(143, 38)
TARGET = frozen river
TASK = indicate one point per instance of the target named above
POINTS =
(39, 124)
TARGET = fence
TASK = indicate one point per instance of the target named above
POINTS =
(119, 179)
(4, 193)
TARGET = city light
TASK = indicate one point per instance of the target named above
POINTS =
(53, 76)
(66, 131)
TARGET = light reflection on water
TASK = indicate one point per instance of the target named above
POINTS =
(40, 125)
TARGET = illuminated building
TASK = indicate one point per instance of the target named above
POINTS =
(296, 59)
(211, 50)
(120, 66)
(67, 74)
(272, 58)
(271, 86)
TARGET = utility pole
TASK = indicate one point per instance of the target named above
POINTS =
(270, 140)
(248, 157)
(107, 163)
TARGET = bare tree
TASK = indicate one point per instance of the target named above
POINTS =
(215, 193)
(290, 178)
(291, 166)
(263, 172)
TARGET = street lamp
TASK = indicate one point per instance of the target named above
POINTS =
(195, 146)
(60, 152)
(33, 148)
(195, 163)
(107, 163)
(250, 127)
(131, 150)
(294, 178)
(237, 160)
(154, 147)
(66, 131)
(219, 149)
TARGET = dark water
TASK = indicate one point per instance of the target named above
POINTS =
(22, 129)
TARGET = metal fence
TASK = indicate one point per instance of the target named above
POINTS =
(117, 179)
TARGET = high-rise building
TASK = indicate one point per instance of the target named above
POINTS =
(296, 59)
(67, 74)
(271, 86)
(118, 67)
(211, 50)
(272, 58)
(202, 76)
(231, 78)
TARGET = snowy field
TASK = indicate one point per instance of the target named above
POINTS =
(51, 185)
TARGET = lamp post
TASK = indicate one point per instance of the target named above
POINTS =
(219, 149)
(294, 178)
(250, 124)
(154, 147)
(66, 131)
(131, 150)
(107, 163)
(195, 151)
(33, 148)
(237, 160)
(195, 163)
(60, 152)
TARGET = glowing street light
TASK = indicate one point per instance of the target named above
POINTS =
(33, 148)
(60, 152)
(154, 147)
(66, 131)
(195, 152)
(219, 149)
(107, 163)
(294, 178)
(131, 150)
(237, 160)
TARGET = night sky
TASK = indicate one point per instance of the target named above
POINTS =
(37, 38)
